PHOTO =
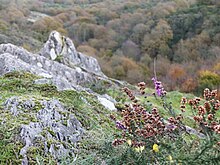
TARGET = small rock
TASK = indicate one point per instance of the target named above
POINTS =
(107, 103)
(39, 64)
(43, 81)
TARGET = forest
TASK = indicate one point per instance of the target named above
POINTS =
(179, 40)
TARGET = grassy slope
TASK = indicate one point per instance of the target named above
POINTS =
(100, 130)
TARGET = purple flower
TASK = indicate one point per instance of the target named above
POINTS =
(171, 127)
(119, 125)
(159, 87)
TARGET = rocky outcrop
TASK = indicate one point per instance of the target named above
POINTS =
(62, 48)
(58, 61)
(55, 128)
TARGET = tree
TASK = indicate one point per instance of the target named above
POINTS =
(189, 85)
(194, 49)
(3, 26)
(131, 50)
(208, 79)
(88, 50)
(81, 32)
(157, 41)
(138, 33)
(177, 75)
(208, 2)
(161, 10)
(103, 15)
(123, 68)
(13, 15)
(47, 24)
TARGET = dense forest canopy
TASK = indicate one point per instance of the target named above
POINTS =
(126, 36)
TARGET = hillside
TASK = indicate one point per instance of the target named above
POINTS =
(183, 35)
(19, 94)
(57, 107)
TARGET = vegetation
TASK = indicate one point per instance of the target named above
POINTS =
(183, 35)
(152, 137)
(169, 142)
(93, 116)
(180, 37)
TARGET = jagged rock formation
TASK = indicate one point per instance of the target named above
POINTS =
(58, 61)
(61, 48)
(56, 130)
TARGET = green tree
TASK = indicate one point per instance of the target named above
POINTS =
(45, 25)
(157, 41)
(208, 79)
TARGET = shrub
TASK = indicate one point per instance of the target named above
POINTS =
(208, 79)
(150, 137)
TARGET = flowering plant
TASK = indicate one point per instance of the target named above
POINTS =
(147, 131)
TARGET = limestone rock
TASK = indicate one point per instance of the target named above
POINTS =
(42, 81)
(14, 106)
(55, 128)
(63, 48)
(107, 101)
(58, 62)
(64, 77)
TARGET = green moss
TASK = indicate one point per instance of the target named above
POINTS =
(119, 106)
(9, 146)
(37, 106)
(64, 122)
(51, 132)
(32, 150)
(20, 75)
(59, 58)
(36, 155)
(50, 142)
(117, 94)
